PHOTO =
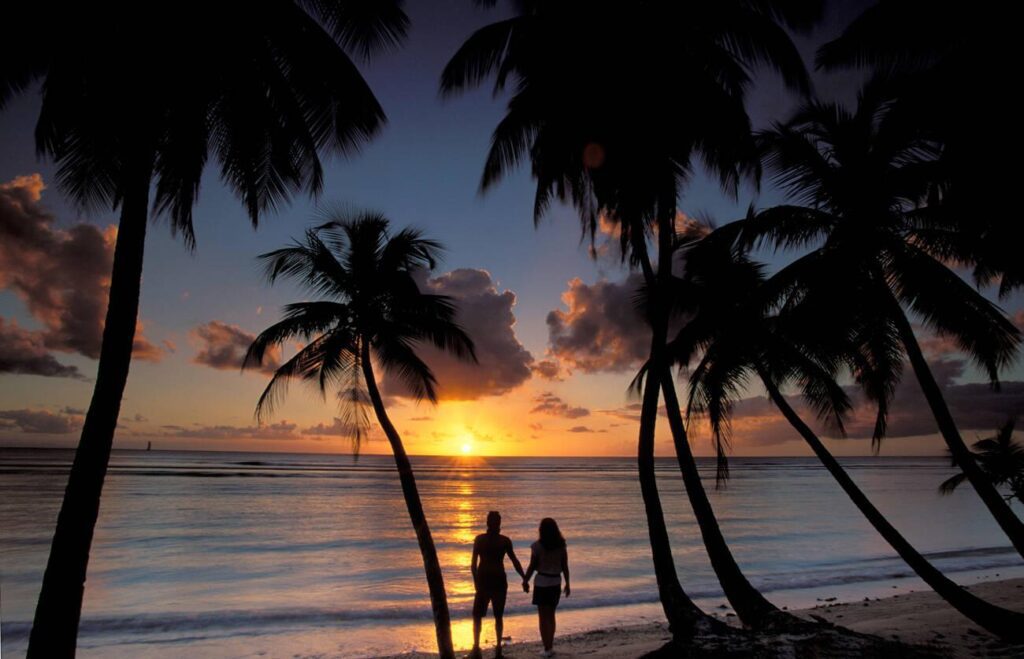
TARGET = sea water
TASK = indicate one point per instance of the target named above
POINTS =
(205, 554)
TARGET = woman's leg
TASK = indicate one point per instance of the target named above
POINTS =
(547, 625)
(554, 623)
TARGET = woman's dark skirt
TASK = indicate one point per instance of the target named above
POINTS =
(546, 595)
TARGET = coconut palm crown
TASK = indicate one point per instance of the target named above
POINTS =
(373, 302)
(859, 180)
(736, 335)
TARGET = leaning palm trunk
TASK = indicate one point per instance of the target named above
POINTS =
(1004, 623)
(750, 605)
(1012, 525)
(435, 579)
(682, 614)
(55, 627)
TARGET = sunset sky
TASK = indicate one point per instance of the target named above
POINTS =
(556, 335)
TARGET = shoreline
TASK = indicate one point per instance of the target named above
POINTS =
(917, 618)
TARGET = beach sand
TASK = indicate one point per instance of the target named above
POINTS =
(921, 619)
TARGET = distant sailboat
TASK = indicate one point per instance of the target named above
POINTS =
(149, 446)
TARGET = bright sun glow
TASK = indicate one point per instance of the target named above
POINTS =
(467, 448)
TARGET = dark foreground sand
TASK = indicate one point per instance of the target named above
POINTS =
(918, 619)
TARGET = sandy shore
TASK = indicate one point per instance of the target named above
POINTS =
(921, 619)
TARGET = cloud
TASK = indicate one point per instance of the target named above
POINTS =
(630, 412)
(486, 315)
(549, 369)
(548, 403)
(975, 407)
(600, 330)
(22, 351)
(62, 275)
(40, 421)
(580, 429)
(337, 428)
(606, 241)
(280, 430)
(223, 347)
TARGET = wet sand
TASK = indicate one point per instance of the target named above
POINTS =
(920, 619)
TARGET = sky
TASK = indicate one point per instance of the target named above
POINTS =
(557, 338)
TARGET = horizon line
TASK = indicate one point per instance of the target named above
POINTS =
(451, 455)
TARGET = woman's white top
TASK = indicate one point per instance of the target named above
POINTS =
(548, 563)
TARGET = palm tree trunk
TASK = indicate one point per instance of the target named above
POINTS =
(435, 579)
(680, 611)
(1012, 525)
(682, 614)
(55, 627)
(752, 608)
(750, 605)
(1004, 623)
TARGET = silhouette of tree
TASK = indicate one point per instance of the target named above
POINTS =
(740, 330)
(594, 108)
(972, 49)
(860, 180)
(136, 98)
(374, 310)
(1000, 458)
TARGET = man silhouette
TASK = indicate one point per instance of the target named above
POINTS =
(488, 567)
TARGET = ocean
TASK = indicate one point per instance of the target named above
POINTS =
(205, 554)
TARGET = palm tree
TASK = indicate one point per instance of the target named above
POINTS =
(733, 341)
(859, 181)
(1000, 458)
(934, 48)
(135, 97)
(374, 310)
(590, 107)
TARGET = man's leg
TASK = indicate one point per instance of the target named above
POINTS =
(479, 611)
(498, 602)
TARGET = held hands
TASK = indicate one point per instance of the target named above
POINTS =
(567, 590)
(526, 586)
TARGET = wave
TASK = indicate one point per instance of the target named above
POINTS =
(220, 622)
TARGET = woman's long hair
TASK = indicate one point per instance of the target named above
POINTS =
(550, 536)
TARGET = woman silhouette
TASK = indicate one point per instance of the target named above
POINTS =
(549, 558)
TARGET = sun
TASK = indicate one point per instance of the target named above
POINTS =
(467, 448)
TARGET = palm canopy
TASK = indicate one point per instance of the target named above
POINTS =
(735, 331)
(1002, 460)
(133, 87)
(935, 48)
(592, 89)
(368, 278)
(861, 181)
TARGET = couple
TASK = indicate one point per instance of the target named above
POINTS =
(548, 558)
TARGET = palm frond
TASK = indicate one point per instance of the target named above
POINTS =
(397, 357)
(478, 57)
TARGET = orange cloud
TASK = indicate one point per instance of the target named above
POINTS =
(487, 316)
(548, 403)
(601, 329)
(62, 275)
(223, 347)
